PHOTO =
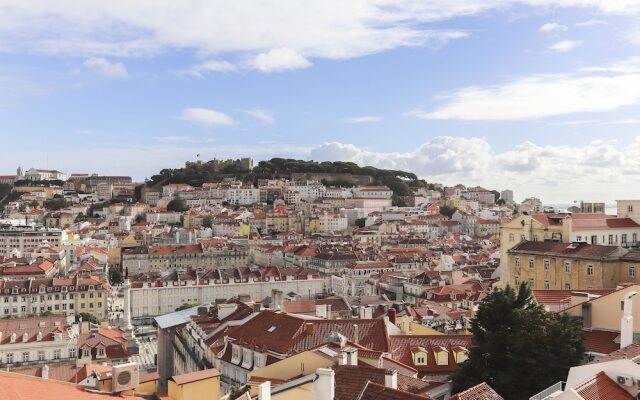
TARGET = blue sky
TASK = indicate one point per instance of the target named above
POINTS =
(506, 94)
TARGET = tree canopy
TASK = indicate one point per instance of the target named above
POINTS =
(177, 205)
(88, 317)
(448, 211)
(519, 348)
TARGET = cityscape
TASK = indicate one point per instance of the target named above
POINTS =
(319, 200)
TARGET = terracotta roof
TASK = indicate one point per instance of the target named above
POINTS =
(288, 334)
(375, 391)
(582, 250)
(23, 387)
(478, 392)
(402, 347)
(195, 376)
(601, 342)
(631, 352)
(601, 387)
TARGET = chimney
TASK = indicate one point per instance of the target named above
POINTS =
(310, 328)
(356, 333)
(328, 311)
(343, 357)
(392, 315)
(352, 356)
(324, 386)
(626, 328)
(45, 371)
(321, 311)
(391, 378)
(264, 391)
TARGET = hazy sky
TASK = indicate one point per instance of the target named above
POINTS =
(539, 96)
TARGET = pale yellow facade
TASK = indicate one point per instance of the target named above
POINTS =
(606, 312)
(204, 389)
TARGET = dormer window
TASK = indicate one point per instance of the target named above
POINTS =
(101, 352)
(39, 336)
(236, 354)
(442, 357)
(14, 291)
(25, 337)
(86, 353)
(13, 337)
(91, 287)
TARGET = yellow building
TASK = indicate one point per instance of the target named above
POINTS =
(536, 227)
(556, 265)
(198, 385)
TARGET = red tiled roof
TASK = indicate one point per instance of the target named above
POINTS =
(478, 392)
(22, 387)
(402, 350)
(375, 391)
(601, 387)
(582, 250)
(631, 352)
(601, 342)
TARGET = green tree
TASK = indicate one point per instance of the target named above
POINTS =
(519, 348)
(207, 222)
(236, 391)
(360, 222)
(184, 306)
(178, 205)
(115, 276)
(448, 211)
(88, 317)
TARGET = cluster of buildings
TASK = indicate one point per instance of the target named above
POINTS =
(281, 288)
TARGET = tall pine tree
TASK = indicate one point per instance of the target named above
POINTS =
(519, 348)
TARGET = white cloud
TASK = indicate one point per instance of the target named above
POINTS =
(363, 119)
(558, 173)
(264, 116)
(588, 23)
(564, 46)
(441, 156)
(553, 27)
(206, 117)
(102, 66)
(278, 60)
(312, 28)
(199, 70)
(596, 89)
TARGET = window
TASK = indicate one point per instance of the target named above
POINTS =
(25, 356)
(567, 266)
(10, 358)
(517, 281)
(531, 262)
(567, 286)
(56, 354)
(41, 356)
(630, 208)
(634, 237)
(420, 360)
(522, 238)
(546, 285)
(517, 262)
(546, 264)
(578, 238)
(632, 271)
(532, 283)
(590, 269)
(623, 238)
(72, 353)
(86, 353)
(512, 237)
(443, 358)
(100, 351)
(610, 239)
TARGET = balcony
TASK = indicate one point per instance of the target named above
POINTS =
(550, 392)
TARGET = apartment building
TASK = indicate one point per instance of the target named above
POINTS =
(66, 296)
(154, 294)
(37, 340)
(22, 238)
(556, 265)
